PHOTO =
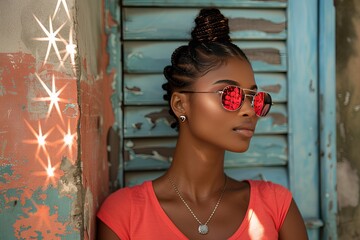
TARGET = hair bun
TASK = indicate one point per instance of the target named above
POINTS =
(211, 26)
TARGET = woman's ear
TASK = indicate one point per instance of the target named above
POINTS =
(179, 103)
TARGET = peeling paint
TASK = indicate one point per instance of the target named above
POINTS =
(347, 98)
(41, 194)
(256, 25)
(137, 126)
(268, 55)
(156, 116)
(272, 88)
(89, 213)
(278, 119)
(348, 183)
(69, 183)
(29, 226)
(134, 90)
(158, 153)
(311, 86)
(342, 130)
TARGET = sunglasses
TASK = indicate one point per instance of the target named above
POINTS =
(233, 98)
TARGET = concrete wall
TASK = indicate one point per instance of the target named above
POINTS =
(51, 188)
(348, 116)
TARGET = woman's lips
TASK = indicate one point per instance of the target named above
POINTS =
(244, 132)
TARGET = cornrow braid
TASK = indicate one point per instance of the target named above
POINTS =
(211, 26)
(209, 48)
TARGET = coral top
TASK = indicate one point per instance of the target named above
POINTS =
(135, 213)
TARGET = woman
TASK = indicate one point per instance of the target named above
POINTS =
(213, 96)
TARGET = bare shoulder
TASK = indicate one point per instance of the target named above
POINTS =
(238, 192)
(104, 232)
(237, 186)
(293, 227)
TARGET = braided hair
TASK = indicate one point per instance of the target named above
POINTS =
(210, 46)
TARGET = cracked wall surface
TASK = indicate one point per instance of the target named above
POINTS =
(348, 116)
(55, 111)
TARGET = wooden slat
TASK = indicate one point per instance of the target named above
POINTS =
(263, 151)
(147, 154)
(155, 121)
(207, 3)
(176, 23)
(274, 174)
(152, 56)
(327, 89)
(147, 122)
(145, 89)
(303, 121)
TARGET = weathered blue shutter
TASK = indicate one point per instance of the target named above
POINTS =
(281, 39)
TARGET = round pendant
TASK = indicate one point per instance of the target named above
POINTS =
(203, 229)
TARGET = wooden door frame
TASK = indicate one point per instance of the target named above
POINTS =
(312, 140)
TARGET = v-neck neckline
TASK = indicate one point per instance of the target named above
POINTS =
(244, 224)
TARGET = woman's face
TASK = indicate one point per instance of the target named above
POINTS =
(209, 121)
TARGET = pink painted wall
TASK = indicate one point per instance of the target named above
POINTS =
(50, 188)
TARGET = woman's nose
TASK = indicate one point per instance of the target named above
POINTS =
(247, 108)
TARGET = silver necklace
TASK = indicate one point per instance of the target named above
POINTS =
(203, 228)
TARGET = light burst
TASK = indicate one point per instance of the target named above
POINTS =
(40, 138)
(53, 97)
(49, 171)
(50, 37)
(68, 139)
(65, 7)
(70, 49)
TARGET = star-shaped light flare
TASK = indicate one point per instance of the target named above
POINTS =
(70, 49)
(40, 138)
(49, 172)
(65, 7)
(53, 96)
(50, 37)
(67, 140)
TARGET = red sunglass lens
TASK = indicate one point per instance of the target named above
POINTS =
(262, 103)
(232, 97)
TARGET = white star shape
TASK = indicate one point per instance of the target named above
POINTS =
(50, 37)
(70, 49)
(53, 96)
(65, 7)
(40, 138)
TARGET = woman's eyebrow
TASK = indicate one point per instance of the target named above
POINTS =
(232, 82)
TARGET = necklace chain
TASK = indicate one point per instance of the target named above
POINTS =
(203, 229)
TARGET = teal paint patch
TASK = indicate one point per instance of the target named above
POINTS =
(2, 89)
(13, 211)
(9, 210)
(5, 170)
(113, 7)
(58, 205)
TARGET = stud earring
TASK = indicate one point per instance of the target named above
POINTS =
(182, 118)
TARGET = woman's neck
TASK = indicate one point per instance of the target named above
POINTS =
(197, 169)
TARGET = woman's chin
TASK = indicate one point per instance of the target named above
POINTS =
(239, 149)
